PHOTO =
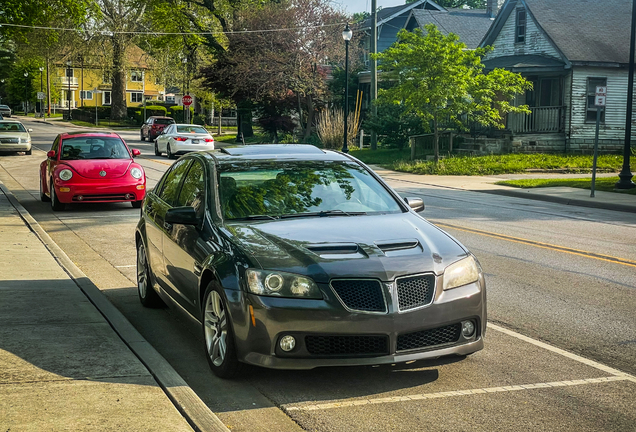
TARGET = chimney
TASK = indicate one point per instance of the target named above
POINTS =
(492, 7)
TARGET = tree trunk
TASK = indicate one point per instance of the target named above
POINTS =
(436, 140)
(118, 108)
(310, 117)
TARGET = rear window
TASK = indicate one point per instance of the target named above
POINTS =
(164, 121)
(94, 148)
(191, 129)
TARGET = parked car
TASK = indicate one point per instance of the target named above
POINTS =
(292, 257)
(153, 126)
(14, 137)
(178, 139)
(5, 111)
(91, 167)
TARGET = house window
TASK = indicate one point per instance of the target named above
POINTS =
(592, 83)
(136, 97)
(86, 94)
(520, 28)
(108, 77)
(106, 98)
(69, 72)
(157, 80)
(170, 99)
(136, 76)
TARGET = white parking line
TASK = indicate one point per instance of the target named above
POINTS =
(456, 393)
(616, 376)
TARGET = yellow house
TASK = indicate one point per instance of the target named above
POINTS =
(89, 85)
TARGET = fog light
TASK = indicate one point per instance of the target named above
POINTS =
(468, 329)
(65, 189)
(287, 343)
(79, 198)
(129, 196)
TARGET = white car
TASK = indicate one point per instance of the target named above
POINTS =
(178, 139)
(14, 137)
(5, 111)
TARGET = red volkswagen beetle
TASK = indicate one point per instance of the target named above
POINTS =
(91, 167)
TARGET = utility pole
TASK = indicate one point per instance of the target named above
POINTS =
(374, 68)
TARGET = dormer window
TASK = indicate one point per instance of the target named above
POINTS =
(520, 28)
(136, 76)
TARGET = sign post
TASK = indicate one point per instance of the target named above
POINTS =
(599, 102)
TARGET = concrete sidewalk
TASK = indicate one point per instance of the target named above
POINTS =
(486, 184)
(68, 359)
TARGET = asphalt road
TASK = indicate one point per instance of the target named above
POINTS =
(562, 310)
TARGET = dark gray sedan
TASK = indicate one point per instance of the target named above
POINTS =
(292, 257)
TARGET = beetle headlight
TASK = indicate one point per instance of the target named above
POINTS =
(281, 284)
(65, 174)
(461, 273)
(136, 173)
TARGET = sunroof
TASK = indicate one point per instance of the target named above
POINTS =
(272, 149)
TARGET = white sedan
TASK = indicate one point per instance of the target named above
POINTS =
(178, 139)
(14, 137)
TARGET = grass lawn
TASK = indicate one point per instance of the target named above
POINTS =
(605, 184)
(105, 124)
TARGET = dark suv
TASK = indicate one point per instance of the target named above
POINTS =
(153, 127)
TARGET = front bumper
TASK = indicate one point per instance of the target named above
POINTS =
(15, 147)
(98, 191)
(327, 320)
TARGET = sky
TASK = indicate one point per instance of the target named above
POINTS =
(352, 6)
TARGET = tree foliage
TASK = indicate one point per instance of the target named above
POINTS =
(440, 81)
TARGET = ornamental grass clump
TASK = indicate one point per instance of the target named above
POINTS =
(330, 129)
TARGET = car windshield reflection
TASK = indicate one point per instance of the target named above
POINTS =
(94, 148)
(287, 189)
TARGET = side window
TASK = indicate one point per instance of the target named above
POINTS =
(193, 190)
(171, 184)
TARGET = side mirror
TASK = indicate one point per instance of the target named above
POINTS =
(182, 215)
(415, 203)
(136, 152)
(50, 154)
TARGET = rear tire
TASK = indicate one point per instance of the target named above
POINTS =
(43, 196)
(55, 204)
(147, 294)
(218, 334)
(169, 153)
(157, 152)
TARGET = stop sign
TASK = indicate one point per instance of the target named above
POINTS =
(187, 100)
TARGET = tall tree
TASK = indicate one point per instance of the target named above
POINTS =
(439, 80)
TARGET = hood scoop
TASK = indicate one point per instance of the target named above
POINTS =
(337, 250)
(400, 247)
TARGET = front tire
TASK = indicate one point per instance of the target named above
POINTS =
(55, 204)
(147, 295)
(142, 137)
(218, 334)
(136, 204)
(28, 152)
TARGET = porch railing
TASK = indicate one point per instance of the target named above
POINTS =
(541, 119)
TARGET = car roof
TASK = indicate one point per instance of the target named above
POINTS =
(160, 117)
(260, 152)
(88, 133)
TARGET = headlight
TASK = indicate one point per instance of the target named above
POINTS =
(136, 173)
(65, 174)
(461, 273)
(281, 284)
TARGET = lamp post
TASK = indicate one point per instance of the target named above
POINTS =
(346, 35)
(184, 60)
(41, 91)
(26, 97)
(68, 96)
(625, 176)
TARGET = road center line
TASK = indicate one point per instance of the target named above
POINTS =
(456, 393)
(563, 249)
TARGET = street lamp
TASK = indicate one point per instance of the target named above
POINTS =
(625, 176)
(346, 35)
(26, 97)
(184, 60)
(41, 91)
(68, 96)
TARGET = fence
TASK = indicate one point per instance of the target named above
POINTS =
(541, 119)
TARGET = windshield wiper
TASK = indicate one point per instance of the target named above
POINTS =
(325, 213)
(256, 217)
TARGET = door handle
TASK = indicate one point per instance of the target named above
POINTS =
(167, 226)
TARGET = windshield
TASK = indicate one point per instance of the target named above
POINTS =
(12, 127)
(191, 129)
(94, 148)
(301, 188)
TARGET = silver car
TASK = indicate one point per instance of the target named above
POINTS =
(5, 111)
(178, 139)
(14, 137)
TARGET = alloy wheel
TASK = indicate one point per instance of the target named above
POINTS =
(215, 328)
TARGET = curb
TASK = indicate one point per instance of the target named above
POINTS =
(187, 402)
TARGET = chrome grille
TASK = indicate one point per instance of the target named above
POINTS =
(347, 345)
(415, 291)
(9, 140)
(360, 294)
(428, 338)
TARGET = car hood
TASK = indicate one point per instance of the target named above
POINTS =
(91, 168)
(382, 246)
